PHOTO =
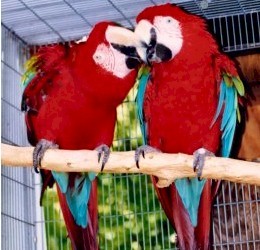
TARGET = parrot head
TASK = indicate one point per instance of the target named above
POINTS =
(109, 60)
(100, 50)
(165, 31)
(116, 54)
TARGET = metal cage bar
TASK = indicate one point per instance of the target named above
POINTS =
(122, 219)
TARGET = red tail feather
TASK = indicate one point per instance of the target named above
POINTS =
(177, 215)
(188, 236)
(82, 238)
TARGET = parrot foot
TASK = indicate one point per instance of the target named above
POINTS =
(142, 151)
(199, 160)
(39, 151)
(103, 148)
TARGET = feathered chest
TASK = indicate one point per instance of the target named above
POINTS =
(179, 106)
(181, 94)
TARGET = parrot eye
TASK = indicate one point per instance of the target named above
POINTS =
(101, 53)
(169, 20)
(169, 38)
(97, 57)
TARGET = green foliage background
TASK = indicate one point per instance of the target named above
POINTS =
(130, 216)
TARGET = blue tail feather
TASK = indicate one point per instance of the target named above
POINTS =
(92, 175)
(62, 179)
(77, 199)
(190, 191)
(77, 195)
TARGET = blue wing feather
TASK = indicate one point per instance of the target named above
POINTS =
(221, 102)
(229, 107)
(229, 101)
(143, 81)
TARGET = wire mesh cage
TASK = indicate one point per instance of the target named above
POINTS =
(130, 216)
(18, 190)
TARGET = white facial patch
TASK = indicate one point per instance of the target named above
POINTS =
(169, 33)
(142, 31)
(111, 60)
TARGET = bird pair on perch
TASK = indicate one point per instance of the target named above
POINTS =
(188, 101)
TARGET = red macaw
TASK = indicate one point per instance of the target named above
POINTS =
(189, 104)
(70, 100)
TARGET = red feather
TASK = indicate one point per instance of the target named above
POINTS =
(82, 239)
(180, 103)
(72, 102)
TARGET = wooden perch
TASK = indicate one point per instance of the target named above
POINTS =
(167, 167)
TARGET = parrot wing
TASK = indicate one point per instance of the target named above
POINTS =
(142, 78)
(40, 69)
(231, 87)
(40, 78)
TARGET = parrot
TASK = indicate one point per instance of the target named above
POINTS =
(71, 92)
(188, 101)
(246, 147)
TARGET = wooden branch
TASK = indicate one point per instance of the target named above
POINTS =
(167, 167)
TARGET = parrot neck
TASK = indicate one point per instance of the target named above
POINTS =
(107, 88)
(191, 63)
(198, 48)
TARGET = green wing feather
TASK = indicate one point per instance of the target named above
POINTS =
(231, 87)
(30, 70)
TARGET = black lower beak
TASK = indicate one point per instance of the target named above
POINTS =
(163, 53)
(126, 50)
(133, 59)
(132, 62)
(150, 51)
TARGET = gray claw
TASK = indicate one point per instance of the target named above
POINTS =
(142, 151)
(199, 160)
(103, 149)
(39, 151)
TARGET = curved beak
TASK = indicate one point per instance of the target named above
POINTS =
(152, 50)
(139, 46)
(126, 42)
(146, 32)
